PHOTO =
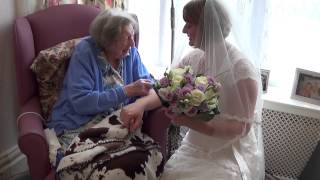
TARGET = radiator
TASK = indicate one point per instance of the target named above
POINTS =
(289, 141)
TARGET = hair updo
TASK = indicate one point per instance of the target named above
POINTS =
(193, 13)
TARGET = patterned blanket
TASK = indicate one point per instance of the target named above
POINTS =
(108, 151)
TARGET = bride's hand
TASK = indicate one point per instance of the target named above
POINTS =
(179, 120)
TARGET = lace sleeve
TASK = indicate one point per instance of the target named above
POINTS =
(193, 58)
(243, 69)
(234, 117)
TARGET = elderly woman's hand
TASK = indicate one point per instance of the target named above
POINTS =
(131, 116)
(140, 87)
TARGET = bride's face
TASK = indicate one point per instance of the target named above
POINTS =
(191, 30)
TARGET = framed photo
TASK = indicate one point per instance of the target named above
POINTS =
(265, 79)
(306, 86)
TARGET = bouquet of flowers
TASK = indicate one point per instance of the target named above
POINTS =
(185, 93)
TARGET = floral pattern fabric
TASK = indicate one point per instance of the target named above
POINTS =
(102, 4)
(50, 66)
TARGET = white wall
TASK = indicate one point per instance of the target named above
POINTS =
(9, 10)
(8, 108)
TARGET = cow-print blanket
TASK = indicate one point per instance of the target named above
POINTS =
(108, 151)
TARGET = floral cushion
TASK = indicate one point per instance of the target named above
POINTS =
(50, 66)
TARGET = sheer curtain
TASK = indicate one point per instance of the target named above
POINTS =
(155, 33)
(182, 42)
(249, 23)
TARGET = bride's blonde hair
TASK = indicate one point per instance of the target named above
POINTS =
(193, 13)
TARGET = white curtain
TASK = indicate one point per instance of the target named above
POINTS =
(181, 40)
(155, 33)
(248, 18)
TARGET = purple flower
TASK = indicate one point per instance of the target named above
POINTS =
(192, 111)
(203, 107)
(189, 86)
(165, 94)
(169, 96)
(211, 81)
(201, 88)
(217, 86)
(188, 94)
(164, 82)
(184, 91)
(174, 108)
(188, 78)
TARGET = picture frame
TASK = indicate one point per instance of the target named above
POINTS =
(265, 79)
(306, 86)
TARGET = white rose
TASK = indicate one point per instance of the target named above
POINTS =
(201, 81)
(197, 97)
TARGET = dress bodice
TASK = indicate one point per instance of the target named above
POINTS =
(205, 142)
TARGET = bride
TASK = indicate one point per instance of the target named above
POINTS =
(230, 145)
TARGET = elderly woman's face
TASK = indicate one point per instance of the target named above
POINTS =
(120, 48)
(191, 30)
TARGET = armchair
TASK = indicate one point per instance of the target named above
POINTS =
(39, 31)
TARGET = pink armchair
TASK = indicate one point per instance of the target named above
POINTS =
(32, 34)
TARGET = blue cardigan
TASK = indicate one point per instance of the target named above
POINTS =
(84, 93)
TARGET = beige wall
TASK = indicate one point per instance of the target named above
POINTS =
(9, 10)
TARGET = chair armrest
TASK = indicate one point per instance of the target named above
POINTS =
(51, 175)
(32, 141)
(156, 125)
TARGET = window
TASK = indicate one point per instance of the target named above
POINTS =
(292, 39)
(155, 33)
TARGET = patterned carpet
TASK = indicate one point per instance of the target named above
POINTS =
(18, 176)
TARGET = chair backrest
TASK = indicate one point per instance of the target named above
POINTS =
(41, 30)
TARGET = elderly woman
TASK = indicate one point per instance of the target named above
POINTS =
(106, 75)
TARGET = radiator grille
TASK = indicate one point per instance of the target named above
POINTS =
(289, 141)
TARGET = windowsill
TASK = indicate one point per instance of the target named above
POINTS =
(276, 99)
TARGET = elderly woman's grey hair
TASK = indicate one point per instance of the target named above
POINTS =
(107, 26)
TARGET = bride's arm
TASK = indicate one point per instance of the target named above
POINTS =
(131, 114)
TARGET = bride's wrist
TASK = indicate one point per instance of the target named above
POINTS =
(140, 103)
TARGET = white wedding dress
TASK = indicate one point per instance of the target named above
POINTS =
(202, 157)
